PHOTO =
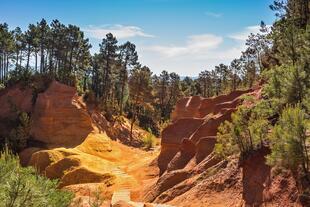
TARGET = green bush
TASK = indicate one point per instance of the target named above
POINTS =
(19, 132)
(245, 133)
(148, 121)
(149, 141)
(19, 135)
(20, 75)
(289, 140)
(21, 187)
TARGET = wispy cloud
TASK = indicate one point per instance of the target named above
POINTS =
(243, 35)
(195, 45)
(118, 30)
(213, 14)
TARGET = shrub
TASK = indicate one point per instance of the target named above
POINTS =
(19, 135)
(225, 145)
(289, 140)
(149, 141)
(149, 122)
(20, 75)
(23, 187)
(244, 134)
(19, 132)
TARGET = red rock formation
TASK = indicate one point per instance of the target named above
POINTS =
(59, 118)
(196, 118)
(15, 97)
(13, 100)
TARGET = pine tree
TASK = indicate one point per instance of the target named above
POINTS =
(108, 55)
(140, 88)
(128, 58)
(289, 140)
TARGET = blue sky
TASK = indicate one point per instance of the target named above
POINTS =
(183, 36)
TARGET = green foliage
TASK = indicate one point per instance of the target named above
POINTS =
(289, 140)
(288, 84)
(19, 132)
(140, 89)
(23, 187)
(226, 145)
(20, 75)
(148, 120)
(19, 135)
(97, 201)
(244, 134)
(149, 141)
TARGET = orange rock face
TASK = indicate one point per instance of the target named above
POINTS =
(15, 97)
(59, 119)
(13, 100)
(187, 145)
(196, 119)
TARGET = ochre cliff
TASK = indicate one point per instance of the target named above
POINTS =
(59, 118)
(194, 127)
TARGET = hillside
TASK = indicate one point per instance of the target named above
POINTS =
(76, 145)
(192, 175)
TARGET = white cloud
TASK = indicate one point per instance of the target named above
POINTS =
(243, 35)
(195, 45)
(120, 31)
(213, 14)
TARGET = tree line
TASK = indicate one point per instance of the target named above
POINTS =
(59, 50)
(113, 77)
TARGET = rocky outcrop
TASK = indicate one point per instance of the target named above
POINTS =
(196, 119)
(15, 98)
(12, 101)
(59, 118)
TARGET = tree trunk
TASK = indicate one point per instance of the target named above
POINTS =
(36, 64)
(42, 59)
(70, 61)
(131, 125)
(28, 57)
(7, 66)
(1, 68)
(17, 56)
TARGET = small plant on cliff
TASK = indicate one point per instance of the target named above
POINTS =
(149, 141)
(23, 187)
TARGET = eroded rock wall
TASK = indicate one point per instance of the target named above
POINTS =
(59, 118)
